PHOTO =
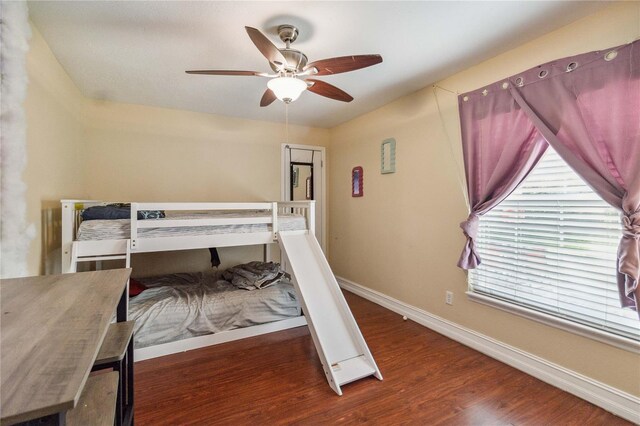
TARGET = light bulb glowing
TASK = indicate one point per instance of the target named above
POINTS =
(287, 89)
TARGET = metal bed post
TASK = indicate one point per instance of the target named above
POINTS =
(129, 371)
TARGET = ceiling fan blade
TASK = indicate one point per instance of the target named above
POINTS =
(343, 64)
(268, 49)
(226, 72)
(267, 98)
(328, 90)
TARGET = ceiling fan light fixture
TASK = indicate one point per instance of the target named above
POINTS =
(287, 89)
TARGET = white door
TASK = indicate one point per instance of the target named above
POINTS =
(303, 178)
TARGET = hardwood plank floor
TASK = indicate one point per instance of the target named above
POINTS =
(277, 379)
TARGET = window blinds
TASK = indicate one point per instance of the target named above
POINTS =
(551, 246)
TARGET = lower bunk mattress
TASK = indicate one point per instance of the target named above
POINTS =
(180, 306)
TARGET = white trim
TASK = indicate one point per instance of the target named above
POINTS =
(215, 339)
(607, 397)
(557, 322)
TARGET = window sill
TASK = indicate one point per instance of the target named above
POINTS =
(572, 327)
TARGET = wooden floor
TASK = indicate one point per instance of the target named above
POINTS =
(277, 379)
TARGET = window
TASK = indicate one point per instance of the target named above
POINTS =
(551, 247)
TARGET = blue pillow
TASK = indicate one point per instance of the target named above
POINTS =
(118, 211)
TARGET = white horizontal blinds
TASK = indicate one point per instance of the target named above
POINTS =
(551, 246)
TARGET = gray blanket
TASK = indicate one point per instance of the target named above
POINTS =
(180, 306)
(254, 275)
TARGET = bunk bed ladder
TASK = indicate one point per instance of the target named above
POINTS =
(98, 258)
(342, 350)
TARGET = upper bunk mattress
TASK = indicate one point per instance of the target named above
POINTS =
(116, 229)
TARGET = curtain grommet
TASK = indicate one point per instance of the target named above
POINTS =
(572, 66)
(543, 73)
(519, 81)
(611, 55)
(465, 98)
(505, 85)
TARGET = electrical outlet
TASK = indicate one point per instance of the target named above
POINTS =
(449, 298)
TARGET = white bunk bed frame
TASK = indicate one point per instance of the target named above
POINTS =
(74, 251)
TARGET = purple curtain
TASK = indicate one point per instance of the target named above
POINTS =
(500, 147)
(588, 108)
(591, 116)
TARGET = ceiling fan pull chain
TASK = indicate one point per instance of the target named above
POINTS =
(286, 122)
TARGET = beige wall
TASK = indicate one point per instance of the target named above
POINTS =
(142, 153)
(137, 152)
(402, 238)
(55, 150)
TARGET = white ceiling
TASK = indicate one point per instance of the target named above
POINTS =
(137, 52)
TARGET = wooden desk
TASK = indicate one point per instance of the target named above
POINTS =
(50, 332)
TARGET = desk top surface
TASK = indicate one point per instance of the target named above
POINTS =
(51, 328)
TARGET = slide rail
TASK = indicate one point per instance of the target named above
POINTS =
(341, 347)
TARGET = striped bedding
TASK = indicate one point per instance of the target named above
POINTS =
(179, 306)
(115, 229)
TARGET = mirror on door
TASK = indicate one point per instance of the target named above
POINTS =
(301, 179)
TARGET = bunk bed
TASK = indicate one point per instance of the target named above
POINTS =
(152, 227)
(184, 226)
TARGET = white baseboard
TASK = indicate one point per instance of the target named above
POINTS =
(607, 397)
(215, 339)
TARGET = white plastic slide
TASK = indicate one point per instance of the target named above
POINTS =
(342, 350)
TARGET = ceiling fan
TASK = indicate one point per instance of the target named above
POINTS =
(290, 64)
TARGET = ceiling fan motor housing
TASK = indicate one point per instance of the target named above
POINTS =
(288, 33)
(296, 60)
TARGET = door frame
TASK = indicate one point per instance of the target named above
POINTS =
(284, 171)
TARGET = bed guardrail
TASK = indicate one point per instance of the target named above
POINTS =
(168, 223)
(305, 208)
